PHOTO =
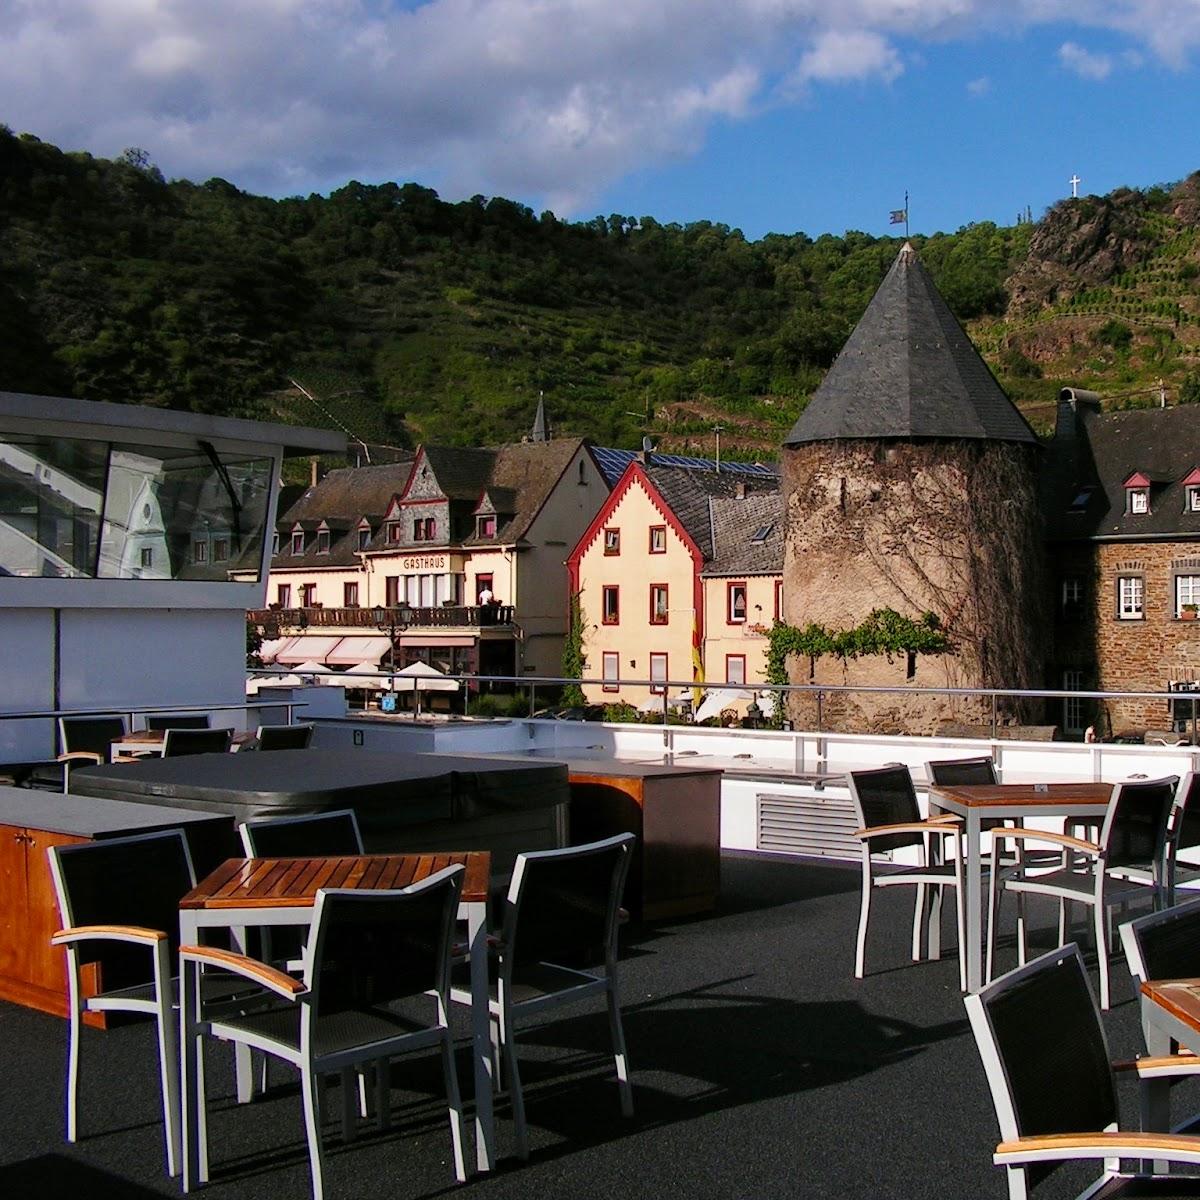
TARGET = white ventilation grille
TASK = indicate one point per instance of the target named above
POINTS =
(818, 825)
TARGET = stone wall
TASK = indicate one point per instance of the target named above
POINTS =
(945, 527)
(1115, 654)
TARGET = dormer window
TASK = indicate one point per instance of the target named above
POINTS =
(297, 541)
(1191, 491)
(424, 529)
(1193, 498)
(485, 527)
(322, 541)
(1137, 494)
(275, 542)
(393, 532)
(364, 536)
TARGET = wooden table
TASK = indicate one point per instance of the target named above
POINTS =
(246, 892)
(1170, 1017)
(992, 801)
(150, 741)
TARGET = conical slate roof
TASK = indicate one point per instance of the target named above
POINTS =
(909, 371)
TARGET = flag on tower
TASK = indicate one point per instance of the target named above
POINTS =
(899, 216)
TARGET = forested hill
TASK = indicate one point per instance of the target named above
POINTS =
(413, 319)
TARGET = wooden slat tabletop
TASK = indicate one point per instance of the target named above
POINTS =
(1054, 795)
(293, 882)
(1179, 997)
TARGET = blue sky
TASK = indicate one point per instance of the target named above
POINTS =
(767, 115)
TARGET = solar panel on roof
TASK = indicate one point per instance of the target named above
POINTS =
(613, 462)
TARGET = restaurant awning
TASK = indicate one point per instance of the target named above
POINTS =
(268, 651)
(351, 651)
(307, 649)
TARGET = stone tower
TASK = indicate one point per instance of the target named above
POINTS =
(910, 484)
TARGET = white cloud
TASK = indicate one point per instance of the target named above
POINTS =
(1083, 62)
(980, 86)
(545, 100)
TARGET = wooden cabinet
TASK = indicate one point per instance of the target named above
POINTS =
(32, 972)
(676, 813)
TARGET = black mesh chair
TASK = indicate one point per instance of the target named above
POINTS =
(178, 742)
(378, 959)
(284, 737)
(1043, 1048)
(327, 833)
(889, 818)
(119, 904)
(1185, 834)
(1103, 874)
(182, 721)
(558, 946)
(1164, 945)
(82, 741)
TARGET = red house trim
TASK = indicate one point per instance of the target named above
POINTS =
(1137, 480)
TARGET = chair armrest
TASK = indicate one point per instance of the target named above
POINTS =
(80, 756)
(248, 968)
(945, 818)
(1161, 1067)
(115, 933)
(1041, 835)
(937, 826)
(1176, 1147)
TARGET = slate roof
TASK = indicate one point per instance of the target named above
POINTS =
(462, 472)
(734, 524)
(339, 499)
(1092, 455)
(909, 371)
(687, 491)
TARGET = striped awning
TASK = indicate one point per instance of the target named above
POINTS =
(307, 649)
(351, 651)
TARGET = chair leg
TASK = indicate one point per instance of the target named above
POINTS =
(618, 1041)
(1022, 940)
(350, 1101)
(864, 912)
(995, 895)
(383, 1092)
(168, 1059)
(918, 940)
(1100, 923)
(309, 1086)
(509, 1040)
(454, 1100)
(73, 1057)
(1062, 922)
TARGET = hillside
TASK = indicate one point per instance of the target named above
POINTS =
(413, 319)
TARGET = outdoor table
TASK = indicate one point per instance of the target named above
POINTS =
(150, 742)
(282, 891)
(1170, 1013)
(989, 802)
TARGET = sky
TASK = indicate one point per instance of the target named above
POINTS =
(766, 115)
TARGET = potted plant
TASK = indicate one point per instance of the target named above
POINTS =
(1187, 612)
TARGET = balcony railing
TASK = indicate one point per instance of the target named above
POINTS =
(460, 616)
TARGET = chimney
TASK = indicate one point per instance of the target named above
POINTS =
(313, 477)
(1072, 404)
(739, 489)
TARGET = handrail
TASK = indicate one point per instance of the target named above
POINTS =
(146, 709)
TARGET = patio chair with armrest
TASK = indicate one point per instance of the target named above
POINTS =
(375, 958)
(326, 833)
(82, 741)
(284, 737)
(180, 742)
(1164, 944)
(1045, 1054)
(1185, 834)
(119, 904)
(1134, 833)
(558, 946)
(889, 818)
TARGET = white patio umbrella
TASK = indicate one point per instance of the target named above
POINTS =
(364, 675)
(420, 677)
(311, 668)
(717, 699)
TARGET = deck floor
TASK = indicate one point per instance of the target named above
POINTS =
(761, 1069)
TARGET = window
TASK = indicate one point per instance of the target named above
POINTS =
(298, 541)
(612, 541)
(735, 668)
(322, 541)
(220, 549)
(612, 671)
(483, 588)
(393, 531)
(582, 473)
(1139, 500)
(1187, 594)
(349, 595)
(1072, 597)
(779, 599)
(658, 674)
(391, 591)
(419, 530)
(735, 603)
(612, 605)
(762, 533)
(485, 526)
(308, 595)
(1193, 499)
(283, 595)
(147, 557)
(364, 537)
(658, 604)
(1072, 706)
(658, 539)
(1131, 592)
(275, 543)
(199, 551)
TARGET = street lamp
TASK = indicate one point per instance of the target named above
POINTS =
(387, 620)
